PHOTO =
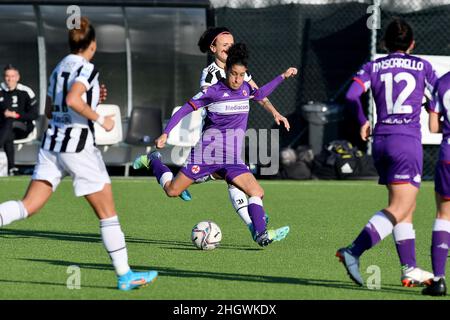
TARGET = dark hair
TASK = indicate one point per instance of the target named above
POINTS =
(398, 35)
(237, 54)
(9, 66)
(209, 37)
(81, 38)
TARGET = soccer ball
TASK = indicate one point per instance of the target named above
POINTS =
(206, 235)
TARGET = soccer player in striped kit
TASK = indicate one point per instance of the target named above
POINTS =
(398, 83)
(441, 229)
(217, 41)
(227, 105)
(68, 149)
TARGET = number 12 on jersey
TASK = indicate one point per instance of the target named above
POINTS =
(397, 106)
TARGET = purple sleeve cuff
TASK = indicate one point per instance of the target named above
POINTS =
(267, 89)
(180, 114)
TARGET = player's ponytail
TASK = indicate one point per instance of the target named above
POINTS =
(398, 36)
(237, 54)
(209, 37)
(80, 38)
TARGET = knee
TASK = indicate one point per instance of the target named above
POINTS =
(257, 192)
(171, 192)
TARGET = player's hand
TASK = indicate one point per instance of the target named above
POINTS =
(290, 72)
(10, 114)
(103, 93)
(365, 131)
(160, 142)
(282, 119)
(108, 125)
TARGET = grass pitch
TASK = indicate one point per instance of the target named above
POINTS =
(36, 253)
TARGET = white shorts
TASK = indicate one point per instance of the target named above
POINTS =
(87, 169)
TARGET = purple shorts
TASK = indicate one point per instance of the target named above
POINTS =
(398, 159)
(442, 179)
(226, 171)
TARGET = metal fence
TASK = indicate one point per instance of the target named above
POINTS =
(328, 41)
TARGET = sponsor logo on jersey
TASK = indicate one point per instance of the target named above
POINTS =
(396, 121)
(225, 95)
(62, 118)
(195, 169)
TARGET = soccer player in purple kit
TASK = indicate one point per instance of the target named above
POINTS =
(398, 82)
(217, 41)
(227, 105)
(441, 230)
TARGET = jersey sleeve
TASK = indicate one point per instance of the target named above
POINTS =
(202, 99)
(431, 77)
(436, 106)
(87, 75)
(206, 78)
(248, 77)
(362, 77)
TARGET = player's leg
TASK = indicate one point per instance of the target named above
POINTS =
(36, 196)
(406, 169)
(440, 240)
(46, 177)
(239, 202)
(402, 205)
(91, 180)
(114, 240)
(174, 187)
(160, 170)
(379, 226)
(247, 183)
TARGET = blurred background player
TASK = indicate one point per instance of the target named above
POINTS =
(68, 149)
(441, 229)
(217, 41)
(398, 82)
(228, 107)
(18, 109)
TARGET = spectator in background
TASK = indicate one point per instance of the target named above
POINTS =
(18, 109)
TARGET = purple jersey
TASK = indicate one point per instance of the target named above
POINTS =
(226, 120)
(442, 106)
(398, 83)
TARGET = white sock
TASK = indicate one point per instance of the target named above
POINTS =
(166, 177)
(240, 203)
(382, 224)
(404, 231)
(11, 211)
(114, 241)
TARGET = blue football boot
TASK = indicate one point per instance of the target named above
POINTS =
(133, 280)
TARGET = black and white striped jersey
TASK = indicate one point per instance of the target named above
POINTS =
(213, 73)
(68, 131)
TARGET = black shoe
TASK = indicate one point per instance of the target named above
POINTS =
(263, 239)
(436, 288)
